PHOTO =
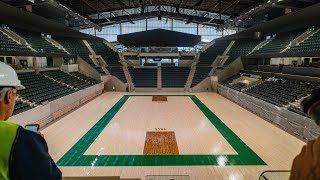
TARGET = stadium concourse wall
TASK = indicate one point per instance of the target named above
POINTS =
(45, 114)
(88, 70)
(292, 122)
(116, 83)
(232, 69)
(205, 85)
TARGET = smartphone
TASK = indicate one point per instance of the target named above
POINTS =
(33, 127)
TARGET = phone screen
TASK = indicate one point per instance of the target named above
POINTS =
(32, 127)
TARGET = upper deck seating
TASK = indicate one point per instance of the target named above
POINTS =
(209, 55)
(279, 43)
(109, 55)
(241, 47)
(38, 43)
(7, 44)
(310, 44)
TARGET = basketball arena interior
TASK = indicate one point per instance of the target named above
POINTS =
(165, 89)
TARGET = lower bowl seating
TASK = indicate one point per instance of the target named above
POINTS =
(173, 77)
(279, 92)
(67, 79)
(21, 107)
(40, 89)
(143, 77)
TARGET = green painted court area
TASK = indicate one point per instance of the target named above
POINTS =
(75, 156)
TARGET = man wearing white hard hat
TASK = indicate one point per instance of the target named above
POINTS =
(23, 153)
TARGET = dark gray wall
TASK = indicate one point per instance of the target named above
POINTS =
(13, 16)
(300, 19)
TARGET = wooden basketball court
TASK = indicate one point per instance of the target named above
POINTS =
(202, 135)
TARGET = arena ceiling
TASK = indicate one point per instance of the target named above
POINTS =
(217, 13)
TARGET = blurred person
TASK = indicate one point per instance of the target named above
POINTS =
(306, 166)
(23, 153)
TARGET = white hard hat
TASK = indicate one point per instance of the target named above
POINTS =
(9, 77)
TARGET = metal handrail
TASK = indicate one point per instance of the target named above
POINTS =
(262, 175)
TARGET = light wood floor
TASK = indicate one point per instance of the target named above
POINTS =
(125, 134)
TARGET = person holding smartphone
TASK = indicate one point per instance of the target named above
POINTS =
(23, 153)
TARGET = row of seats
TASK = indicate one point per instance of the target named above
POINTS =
(40, 89)
(38, 43)
(275, 91)
(144, 77)
(7, 44)
(200, 74)
(209, 55)
(72, 45)
(99, 69)
(279, 43)
(281, 92)
(21, 107)
(111, 57)
(310, 44)
(117, 71)
(240, 47)
(228, 82)
(77, 47)
(67, 79)
(206, 58)
(174, 76)
(297, 110)
(303, 71)
(85, 78)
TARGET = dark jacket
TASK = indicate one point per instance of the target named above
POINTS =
(30, 160)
